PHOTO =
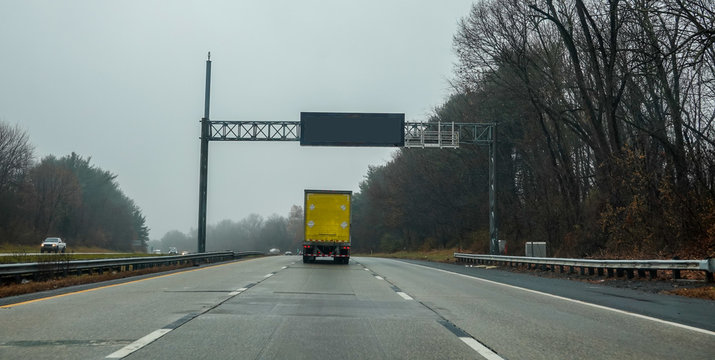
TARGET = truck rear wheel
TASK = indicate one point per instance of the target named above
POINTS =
(305, 259)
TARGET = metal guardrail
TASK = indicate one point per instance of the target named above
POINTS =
(78, 267)
(590, 266)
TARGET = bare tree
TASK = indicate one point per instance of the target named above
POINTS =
(15, 156)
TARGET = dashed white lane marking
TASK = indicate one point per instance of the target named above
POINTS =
(404, 296)
(146, 340)
(682, 326)
(379, 277)
(237, 291)
(366, 269)
(283, 268)
(481, 349)
(153, 336)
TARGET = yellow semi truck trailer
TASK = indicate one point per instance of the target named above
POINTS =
(327, 225)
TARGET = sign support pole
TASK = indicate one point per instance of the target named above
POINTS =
(204, 166)
(493, 225)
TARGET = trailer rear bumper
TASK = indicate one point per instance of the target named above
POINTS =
(341, 252)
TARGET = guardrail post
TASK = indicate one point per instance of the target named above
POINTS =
(653, 273)
(709, 277)
(676, 274)
(610, 272)
(600, 271)
(629, 273)
(641, 273)
(591, 271)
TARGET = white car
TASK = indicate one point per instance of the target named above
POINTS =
(53, 244)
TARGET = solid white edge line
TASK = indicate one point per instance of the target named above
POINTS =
(404, 296)
(379, 277)
(481, 349)
(146, 340)
(682, 326)
(242, 289)
(234, 293)
(268, 275)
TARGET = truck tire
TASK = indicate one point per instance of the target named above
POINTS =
(305, 259)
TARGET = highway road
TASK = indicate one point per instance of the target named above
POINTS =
(279, 308)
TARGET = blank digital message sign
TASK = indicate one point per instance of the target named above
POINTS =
(352, 129)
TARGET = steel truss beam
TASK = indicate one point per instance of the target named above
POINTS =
(469, 133)
(254, 131)
(221, 130)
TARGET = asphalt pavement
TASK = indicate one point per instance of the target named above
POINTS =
(279, 308)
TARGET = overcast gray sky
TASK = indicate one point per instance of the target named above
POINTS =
(122, 82)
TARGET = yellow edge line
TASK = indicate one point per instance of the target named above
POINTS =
(110, 286)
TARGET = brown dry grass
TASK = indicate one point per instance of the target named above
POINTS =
(706, 292)
(51, 284)
(443, 255)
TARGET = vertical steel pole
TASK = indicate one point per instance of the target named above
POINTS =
(204, 166)
(493, 225)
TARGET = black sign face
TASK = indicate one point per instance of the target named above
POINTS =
(352, 129)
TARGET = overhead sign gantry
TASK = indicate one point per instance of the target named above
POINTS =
(347, 129)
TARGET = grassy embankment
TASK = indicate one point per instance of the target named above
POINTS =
(443, 255)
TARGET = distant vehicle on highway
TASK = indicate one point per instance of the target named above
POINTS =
(53, 244)
(185, 252)
(157, 251)
(288, 253)
(173, 251)
(274, 251)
